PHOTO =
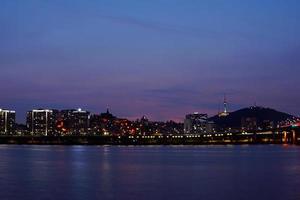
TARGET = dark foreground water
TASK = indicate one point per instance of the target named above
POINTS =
(150, 172)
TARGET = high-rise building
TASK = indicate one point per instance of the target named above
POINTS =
(76, 121)
(197, 123)
(67, 117)
(42, 121)
(81, 121)
(7, 121)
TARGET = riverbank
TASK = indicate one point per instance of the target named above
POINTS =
(140, 140)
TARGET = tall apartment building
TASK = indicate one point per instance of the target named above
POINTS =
(75, 121)
(7, 121)
(42, 121)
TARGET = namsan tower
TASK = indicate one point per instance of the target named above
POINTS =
(225, 112)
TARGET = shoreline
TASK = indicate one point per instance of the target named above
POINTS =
(130, 140)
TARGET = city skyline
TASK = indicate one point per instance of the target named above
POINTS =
(108, 110)
(161, 59)
(222, 112)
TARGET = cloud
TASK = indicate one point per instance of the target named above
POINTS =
(158, 26)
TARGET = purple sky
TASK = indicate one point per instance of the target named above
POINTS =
(160, 58)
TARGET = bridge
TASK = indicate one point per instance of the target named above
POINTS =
(286, 135)
(291, 133)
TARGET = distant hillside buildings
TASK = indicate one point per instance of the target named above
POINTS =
(198, 123)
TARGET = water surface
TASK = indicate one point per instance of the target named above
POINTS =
(150, 172)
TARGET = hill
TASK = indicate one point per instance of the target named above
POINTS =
(257, 115)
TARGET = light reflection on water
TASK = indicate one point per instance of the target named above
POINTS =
(149, 172)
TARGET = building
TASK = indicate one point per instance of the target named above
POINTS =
(66, 119)
(109, 123)
(197, 123)
(96, 124)
(7, 122)
(107, 115)
(81, 121)
(42, 121)
(249, 123)
(75, 121)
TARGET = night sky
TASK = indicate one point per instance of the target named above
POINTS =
(159, 58)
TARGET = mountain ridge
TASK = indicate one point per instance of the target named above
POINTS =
(258, 114)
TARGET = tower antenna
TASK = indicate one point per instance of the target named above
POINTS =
(225, 104)
(225, 111)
